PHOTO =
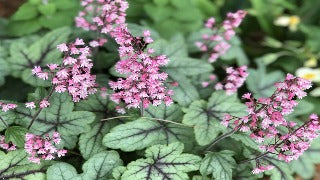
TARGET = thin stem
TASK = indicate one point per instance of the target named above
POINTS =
(255, 158)
(4, 122)
(141, 109)
(40, 109)
(221, 137)
(277, 145)
(155, 119)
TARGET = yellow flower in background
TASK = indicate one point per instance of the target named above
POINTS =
(312, 62)
(288, 21)
(308, 73)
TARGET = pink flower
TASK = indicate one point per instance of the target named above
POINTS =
(216, 43)
(6, 146)
(234, 80)
(30, 105)
(44, 103)
(7, 107)
(43, 147)
(62, 47)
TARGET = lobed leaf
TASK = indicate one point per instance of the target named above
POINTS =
(98, 167)
(206, 117)
(144, 132)
(162, 162)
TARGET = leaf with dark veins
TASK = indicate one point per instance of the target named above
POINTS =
(281, 170)
(14, 165)
(218, 164)
(90, 143)
(163, 162)
(98, 167)
(60, 117)
(206, 117)
(144, 132)
(23, 57)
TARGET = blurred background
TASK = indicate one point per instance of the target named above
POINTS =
(276, 37)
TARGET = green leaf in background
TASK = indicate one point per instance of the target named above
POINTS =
(218, 164)
(90, 143)
(4, 68)
(206, 117)
(145, 132)
(14, 165)
(24, 57)
(162, 162)
(47, 9)
(261, 83)
(25, 12)
(59, 116)
(179, 67)
(236, 52)
(16, 134)
(98, 167)
(20, 28)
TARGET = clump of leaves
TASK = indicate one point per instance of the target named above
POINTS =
(35, 15)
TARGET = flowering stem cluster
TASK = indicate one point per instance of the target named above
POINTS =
(216, 42)
(43, 147)
(101, 16)
(266, 116)
(144, 84)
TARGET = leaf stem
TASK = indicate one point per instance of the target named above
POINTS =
(155, 119)
(40, 109)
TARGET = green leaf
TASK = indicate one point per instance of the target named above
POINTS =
(58, 19)
(281, 169)
(23, 57)
(144, 132)
(25, 12)
(188, 66)
(219, 164)
(261, 83)
(118, 171)
(236, 52)
(4, 68)
(185, 93)
(59, 116)
(90, 142)
(245, 140)
(66, 5)
(98, 167)
(6, 118)
(180, 66)
(16, 135)
(20, 28)
(47, 9)
(162, 162)
(206, 117)
(15, 165)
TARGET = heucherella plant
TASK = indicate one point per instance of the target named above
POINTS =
(128, 105)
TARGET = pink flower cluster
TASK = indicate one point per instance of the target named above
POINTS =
(101, 16)
(6, 146)
(43, 147)
(144, 83)
(6, 107)
(73, 75)
(266, 116)
(234, 80)
(216, 43)
(261, 169)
